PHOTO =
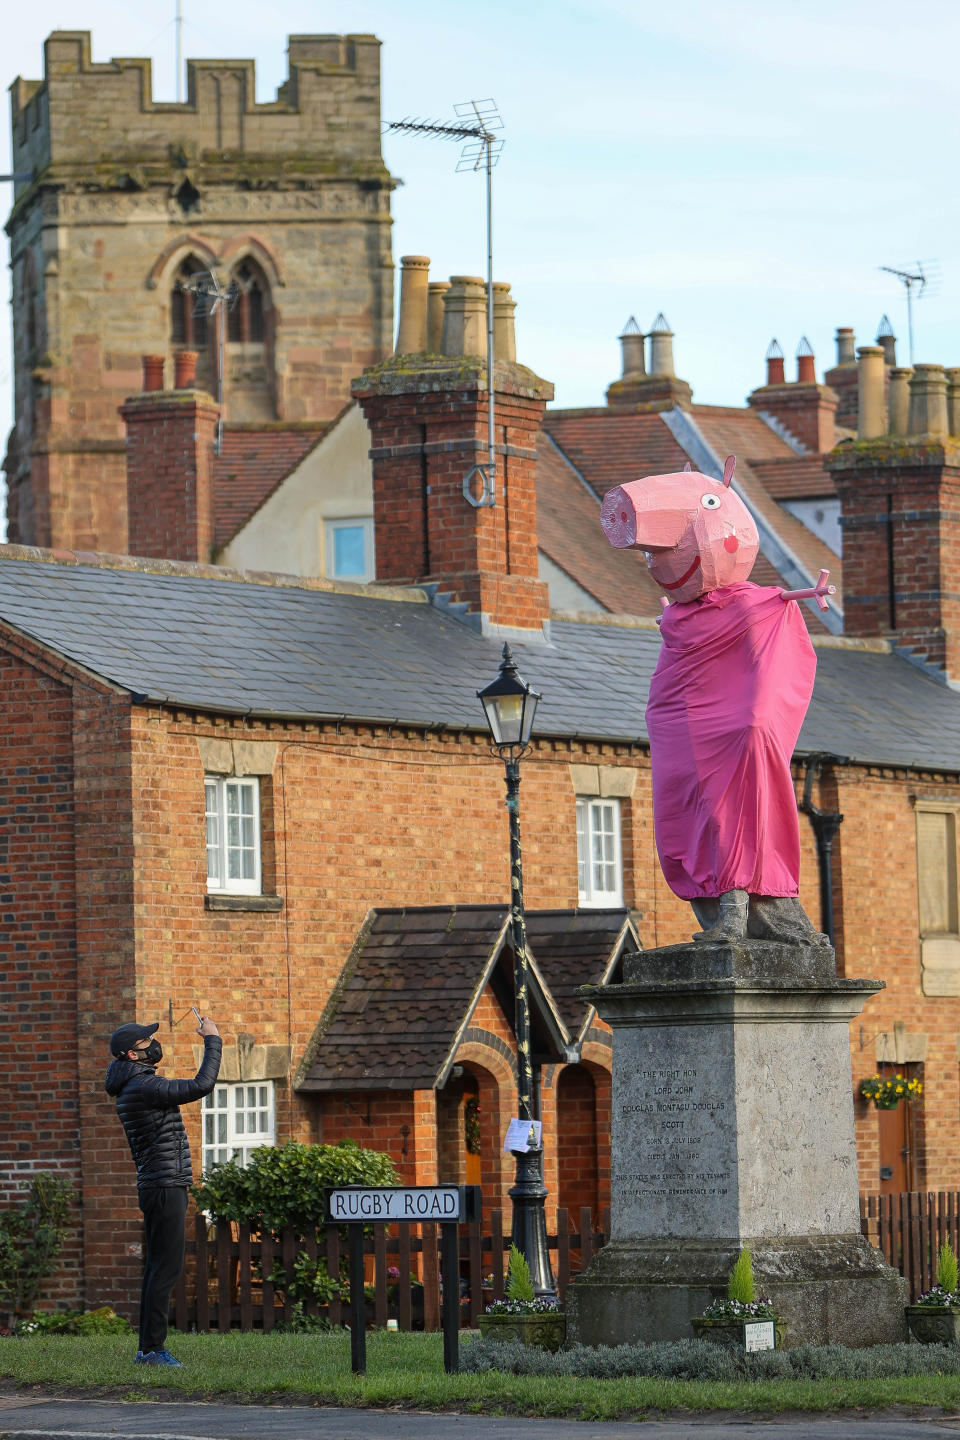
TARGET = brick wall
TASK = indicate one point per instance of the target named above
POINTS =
(808, 411)
(428, 428)
(900, 505)
(38, 966)
(367, 817)
(170, 440)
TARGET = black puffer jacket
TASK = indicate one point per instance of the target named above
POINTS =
(150, 1110)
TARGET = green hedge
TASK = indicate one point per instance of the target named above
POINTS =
(283, 1185)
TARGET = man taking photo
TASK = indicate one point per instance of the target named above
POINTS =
(149, 1108)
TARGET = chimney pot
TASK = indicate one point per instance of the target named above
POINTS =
(888, 341)
(953, 400)
(846, 346)
(436, 290)
(465, 316)
(504, 333)
(631, 350)
(774, 358)
(898, 401)
(185, 369)
(928, 401)
(152, 372)
(871, 421)
(806, 363)
(412, 327)
(661, 347)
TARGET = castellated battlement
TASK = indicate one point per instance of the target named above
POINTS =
(326, 116)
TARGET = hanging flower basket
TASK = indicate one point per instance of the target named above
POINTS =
(887, 1093)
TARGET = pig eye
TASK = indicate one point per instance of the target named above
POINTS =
(710, 502)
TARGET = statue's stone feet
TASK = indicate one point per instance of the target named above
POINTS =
(774, 917)
(729, 914)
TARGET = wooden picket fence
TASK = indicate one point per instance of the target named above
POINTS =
(908, 1229)
(226, 1283)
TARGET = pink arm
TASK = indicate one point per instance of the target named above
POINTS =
(819, 592)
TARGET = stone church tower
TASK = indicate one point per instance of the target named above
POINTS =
(129, 199)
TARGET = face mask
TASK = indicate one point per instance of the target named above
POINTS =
(153, 1053)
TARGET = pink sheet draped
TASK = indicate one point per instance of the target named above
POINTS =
(727, 700)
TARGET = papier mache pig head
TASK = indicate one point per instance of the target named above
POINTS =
(697, 532)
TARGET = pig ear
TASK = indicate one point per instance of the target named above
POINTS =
(688, 466)
(730, 464)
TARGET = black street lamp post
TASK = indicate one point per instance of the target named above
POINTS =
(510, 705)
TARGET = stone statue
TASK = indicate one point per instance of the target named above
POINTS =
(727, 701)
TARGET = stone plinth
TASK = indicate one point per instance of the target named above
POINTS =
(732, 1126)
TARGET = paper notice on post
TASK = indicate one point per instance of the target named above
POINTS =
(518, 1135)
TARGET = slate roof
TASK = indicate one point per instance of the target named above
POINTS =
(216, 641)
(252, 464)
(413, 979)
(578, 947)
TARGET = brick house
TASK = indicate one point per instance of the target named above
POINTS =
(270, 794)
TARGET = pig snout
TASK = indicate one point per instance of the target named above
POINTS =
(632, 517)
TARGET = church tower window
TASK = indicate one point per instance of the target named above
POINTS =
(188, 321)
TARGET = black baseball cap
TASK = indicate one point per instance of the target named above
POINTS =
(126, 1037)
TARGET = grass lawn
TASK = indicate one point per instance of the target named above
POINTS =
(407, 1370)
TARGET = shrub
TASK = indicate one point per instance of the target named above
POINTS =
(519, 1283)
(102, 1321)
(947, 1267)
(740, 1280)
(701, 1360)
(283, 1184)
(31, 1238)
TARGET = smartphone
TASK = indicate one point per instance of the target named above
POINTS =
(197, 1013)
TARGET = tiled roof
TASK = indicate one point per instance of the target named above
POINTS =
(744, 432)
(569, 533)
(578, 947)
(412, 980)
(609, 448)
(219, 642)
(251, 466)
(797, 477)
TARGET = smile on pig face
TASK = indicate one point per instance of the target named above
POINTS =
(697, 533)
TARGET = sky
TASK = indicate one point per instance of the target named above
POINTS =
(744, 167)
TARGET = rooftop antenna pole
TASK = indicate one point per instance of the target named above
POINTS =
(475, 124)
(214, 298)
(909, 280)
(179, 32)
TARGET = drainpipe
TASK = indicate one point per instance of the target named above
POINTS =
(825, 824)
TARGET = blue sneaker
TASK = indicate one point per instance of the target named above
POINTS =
(158, 1357)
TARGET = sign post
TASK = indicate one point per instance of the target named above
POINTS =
(445, 1205)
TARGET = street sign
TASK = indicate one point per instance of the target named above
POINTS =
(398, 1202)
(443, 1205)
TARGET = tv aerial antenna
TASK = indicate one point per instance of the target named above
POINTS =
(212, 297)
(475, 126)
(912, 280)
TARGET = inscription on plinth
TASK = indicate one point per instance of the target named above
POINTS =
(674, 1158)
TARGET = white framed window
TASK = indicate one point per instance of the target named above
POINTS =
(233, 835)
(350, 549)
(237, 1119)
(599, 863)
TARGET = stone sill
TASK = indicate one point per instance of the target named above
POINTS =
(264, 904)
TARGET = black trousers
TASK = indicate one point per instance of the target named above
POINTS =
(164, 1214)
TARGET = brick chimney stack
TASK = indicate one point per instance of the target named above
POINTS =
(428, 419)
(170, 435)
(658, 390)
(899, 498)
(804, 410)
(842, 379)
